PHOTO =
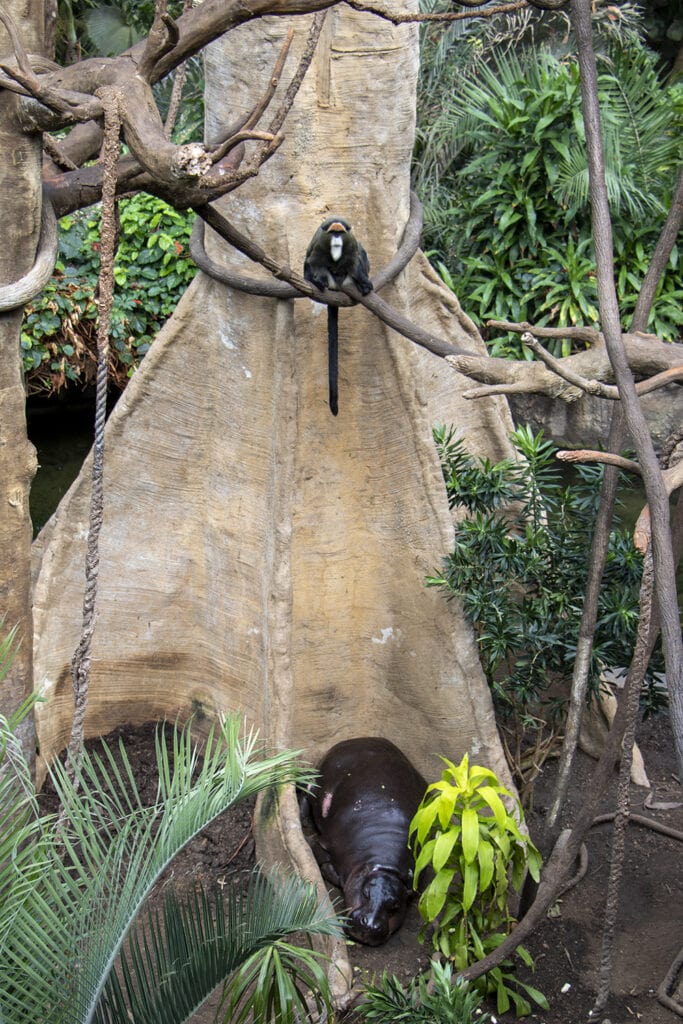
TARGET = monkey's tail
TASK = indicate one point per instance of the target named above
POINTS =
(333, 356)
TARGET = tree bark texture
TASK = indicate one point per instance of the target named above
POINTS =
(257, 553)
(20, 209)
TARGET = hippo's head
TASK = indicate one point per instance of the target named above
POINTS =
(377, 902)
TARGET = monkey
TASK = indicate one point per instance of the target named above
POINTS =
(334, 258)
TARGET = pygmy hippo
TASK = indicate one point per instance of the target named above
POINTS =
(366, 796)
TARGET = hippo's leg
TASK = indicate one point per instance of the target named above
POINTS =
(327, 868)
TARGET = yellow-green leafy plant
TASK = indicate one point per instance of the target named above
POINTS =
(469, 831)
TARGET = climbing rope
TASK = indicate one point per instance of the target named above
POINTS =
(80, 664)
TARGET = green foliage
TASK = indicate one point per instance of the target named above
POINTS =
(152, 270)
(519, 565)
(189, 124)
(68, 903)
(105, 29)
(477, 851)
(503, 173)
(430, 998)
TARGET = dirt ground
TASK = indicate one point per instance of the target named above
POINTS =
(567, 946)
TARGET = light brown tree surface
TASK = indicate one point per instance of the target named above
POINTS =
(257, 553)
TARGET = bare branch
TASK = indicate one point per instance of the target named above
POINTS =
(304, 64)
(660, 257)
(592, 387)
(587, 334)
(16, 295)
(373, 302)
(609, 317)
(659, 362)
(244, 123)
(283, 287)
(606, 458)
(445, 16)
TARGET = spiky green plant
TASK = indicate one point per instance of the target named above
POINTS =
(70, 948)
(430, 998)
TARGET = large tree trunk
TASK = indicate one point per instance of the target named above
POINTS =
(259, 554)
(20, 206)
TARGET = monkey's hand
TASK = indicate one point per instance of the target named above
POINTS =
(320, 281)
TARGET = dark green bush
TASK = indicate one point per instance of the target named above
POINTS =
(153, 268)
(519, 566)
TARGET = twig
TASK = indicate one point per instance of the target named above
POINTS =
(304, 64)
(177, 88)
(162, 38)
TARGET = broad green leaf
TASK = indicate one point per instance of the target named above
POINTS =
(534, 862)
(522, 1006)
(470, 882)
(535, 994)
(443, 847)
(485, 864)
(470, 834)
(489, 794)
(424, 859)
(434, 896)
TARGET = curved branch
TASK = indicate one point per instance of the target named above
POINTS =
(290, 285)
(587, 334)
(287, 284)
(16, 295)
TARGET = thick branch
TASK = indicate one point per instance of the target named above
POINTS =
(647, 356)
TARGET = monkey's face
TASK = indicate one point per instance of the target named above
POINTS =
(336, 231)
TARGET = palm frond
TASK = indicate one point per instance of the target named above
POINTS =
(177, 959)
(70, 918)
(641, 143)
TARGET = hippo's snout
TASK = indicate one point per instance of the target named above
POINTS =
(368, 928)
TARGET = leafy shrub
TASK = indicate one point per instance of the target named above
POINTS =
(430, 998)
(506, 190)
(463, 831)
(152, 270)
(519, 565)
